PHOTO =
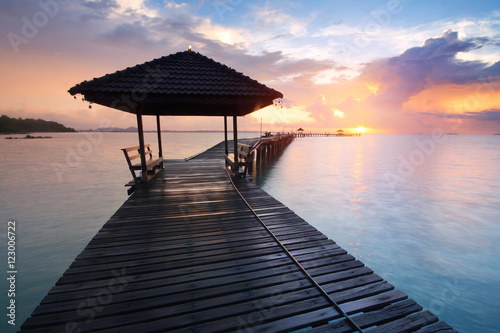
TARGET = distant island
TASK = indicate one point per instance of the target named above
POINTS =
(29, 137)
(132, 129)
(18, 125)
(111, 129)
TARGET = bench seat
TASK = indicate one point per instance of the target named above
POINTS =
(244, 160)
(150, 163)
(153, 164)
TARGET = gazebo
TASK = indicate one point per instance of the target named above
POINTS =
(181, 84)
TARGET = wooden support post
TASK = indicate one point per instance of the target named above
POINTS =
(226, 150)
(250, 161)
(236, 171)
(140, 131)
(264, 152)
(158, 130)
(258, 158)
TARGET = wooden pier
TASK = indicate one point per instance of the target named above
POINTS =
(198, 251)
(309, 135)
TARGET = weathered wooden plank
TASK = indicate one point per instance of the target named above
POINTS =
(440, 327)
(178, 245)
(133, 270)
(138, 252)
(317, 247)
(178, 284)
(88, 265)
(194, 312)
(172, 254)
(273, 319)
(324, 258)
(360, 292)
(231, 315)
(373, 302)
(298, 321)
(136, 297)
(323, 274)
(407, 324)
(368, 319)
(360, 279)
(208, 270)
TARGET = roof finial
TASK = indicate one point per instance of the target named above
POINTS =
(189, 47)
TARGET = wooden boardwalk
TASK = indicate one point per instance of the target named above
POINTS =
(187, 254)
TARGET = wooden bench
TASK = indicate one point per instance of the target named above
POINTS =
(243, 160)
(153, 165)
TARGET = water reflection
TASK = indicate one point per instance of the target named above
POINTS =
(357, 171)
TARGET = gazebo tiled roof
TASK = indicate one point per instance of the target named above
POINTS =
(185, 83)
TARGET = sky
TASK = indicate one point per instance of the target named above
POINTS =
(392, 66)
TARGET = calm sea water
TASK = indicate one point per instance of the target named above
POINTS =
(422, 213)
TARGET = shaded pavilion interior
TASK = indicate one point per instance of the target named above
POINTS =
(182, 84)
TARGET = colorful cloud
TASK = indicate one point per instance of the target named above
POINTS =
(389, 66)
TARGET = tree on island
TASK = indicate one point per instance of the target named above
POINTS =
(29, 125)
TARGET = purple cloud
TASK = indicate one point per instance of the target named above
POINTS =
(419, 68)
(492, 115)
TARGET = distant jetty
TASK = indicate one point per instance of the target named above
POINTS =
(112, 129)
(303, 134)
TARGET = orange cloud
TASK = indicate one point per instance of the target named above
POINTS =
(454, 98)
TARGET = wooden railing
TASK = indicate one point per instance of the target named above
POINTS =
(242, 160)
(257, 154)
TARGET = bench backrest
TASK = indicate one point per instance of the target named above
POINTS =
(137, 149)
